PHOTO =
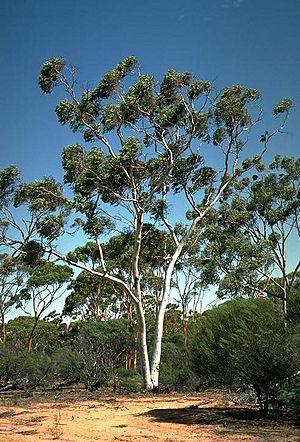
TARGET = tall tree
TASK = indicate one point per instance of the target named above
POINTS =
(251, 234)
(155, 143)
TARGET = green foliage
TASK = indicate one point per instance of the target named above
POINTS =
(172, 82)
(128, 381)
(32, 252)
(175, 370)
(44, 199)
(290, 395)
(49, 76)
(47, 334)
(67, 365)
(8, 178)
(52, 226)
(21, 369)
(91, 298)
(110, 80)
(230, 108)
(102, 346)
(11, 282)
(293, 313)
(65, 111)
(285, 105)
(245, 341)
(251, 228)
(199, 88)
(112, 117)
(48, 273)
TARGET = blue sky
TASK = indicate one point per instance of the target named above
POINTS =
(250, 42)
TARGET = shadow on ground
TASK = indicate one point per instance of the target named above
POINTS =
(229, 420)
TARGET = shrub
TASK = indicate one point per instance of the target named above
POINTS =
(129, 381)
(68, 365)
(102, 346)
(175, 370)
(290, 395)
(22, 369)
(244, 341)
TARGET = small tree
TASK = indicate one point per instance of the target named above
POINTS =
(92, 298)
(47, 334)
(103, 346)
(43, 287)
(12, 276)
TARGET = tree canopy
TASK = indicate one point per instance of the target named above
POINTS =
(151, 148)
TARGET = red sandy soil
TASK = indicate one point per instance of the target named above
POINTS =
(170, 418)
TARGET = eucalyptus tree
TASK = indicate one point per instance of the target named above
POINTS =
(20, 253)
(158, 149)
(90, 296)
(44, 286)
(254, 236)
(12, 276)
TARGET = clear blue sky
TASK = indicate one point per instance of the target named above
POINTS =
(250, 42)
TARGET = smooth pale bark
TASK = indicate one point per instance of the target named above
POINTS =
(143, 347)
(157, 344)
(139, 305)
(156, 353)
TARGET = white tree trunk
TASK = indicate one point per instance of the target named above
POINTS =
(156, 352)
(143, 348)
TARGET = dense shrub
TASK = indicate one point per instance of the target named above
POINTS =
(22, 369)
(244, 341)
(128, 381)
(46, 336)
(175, 370)
(67, 365)
(290, 395)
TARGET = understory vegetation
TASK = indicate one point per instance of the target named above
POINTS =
(241, 345)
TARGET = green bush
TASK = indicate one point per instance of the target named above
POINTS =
(47, 334)
(175, 370)
(129, 381)
(290, 395)
(22, 369)
(67, 365)
(246, 342)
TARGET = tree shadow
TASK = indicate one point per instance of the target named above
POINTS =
(230, 420)
(6, 414)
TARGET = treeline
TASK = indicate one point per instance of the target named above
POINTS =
(240, 344)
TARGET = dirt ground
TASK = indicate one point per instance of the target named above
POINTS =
(173, 418)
